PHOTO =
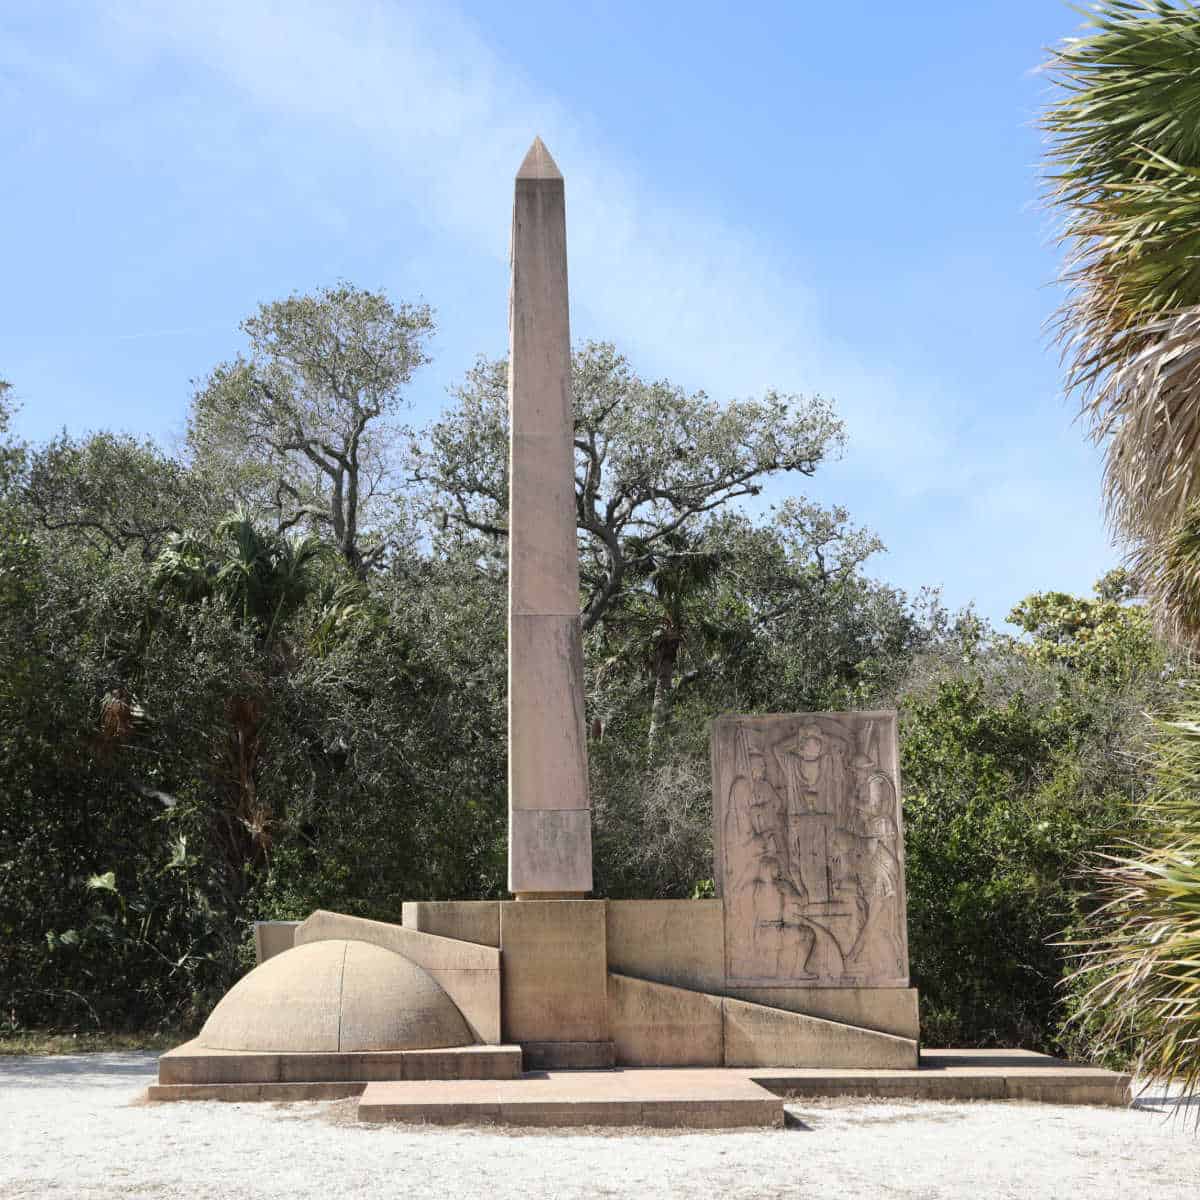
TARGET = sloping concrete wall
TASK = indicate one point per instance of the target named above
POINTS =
(469, 973)
(655, 1025)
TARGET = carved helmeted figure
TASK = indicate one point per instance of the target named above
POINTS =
(754, 809)
(877, 866)
(813, 763)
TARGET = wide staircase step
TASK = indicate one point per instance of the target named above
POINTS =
(688, 1098)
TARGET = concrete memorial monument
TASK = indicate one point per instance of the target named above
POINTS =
(810, 850)
(798, 972)
(549, 815)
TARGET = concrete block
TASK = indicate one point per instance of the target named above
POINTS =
(1102, 1088)
(886, 1010)
(475, 921)
(193, 1065)
(549, 852)
(434, 1113)
(247, 1093)
(567, 1113)
(469, 1062)
(273, 937)
(714, 1114)
(469, 973)
(756, 1036)
(554, 981)
(809, 849)
(654, 1025)
(677, 942)
(568, 1056)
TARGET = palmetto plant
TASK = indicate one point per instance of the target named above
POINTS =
(669, 610)
(263, 576)
(1124, 172)
(1141, 956)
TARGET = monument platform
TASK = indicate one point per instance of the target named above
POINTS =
(727, 1098)
(699, 1098)
(195, 1072)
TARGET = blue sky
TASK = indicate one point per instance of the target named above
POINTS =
(838, 199)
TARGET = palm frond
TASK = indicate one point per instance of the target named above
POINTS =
(1124, 172)
(1140, 957)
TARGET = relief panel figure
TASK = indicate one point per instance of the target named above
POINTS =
(810, 850)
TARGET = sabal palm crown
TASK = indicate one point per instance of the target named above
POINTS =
(1124, 172)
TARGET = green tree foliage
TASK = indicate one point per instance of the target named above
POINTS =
(652, 461)
(1016, 765)
(210, 717)
(304, 427)
(112, 491)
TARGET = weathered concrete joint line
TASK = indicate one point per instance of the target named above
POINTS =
(341, 993)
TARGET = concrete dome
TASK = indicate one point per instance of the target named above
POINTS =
(335, 996)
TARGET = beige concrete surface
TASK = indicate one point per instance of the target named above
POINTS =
(253, 1093)
(963, 1075)
(568, 1056)
(335, 995)
(552, 847)
(273, 937)
(758, 1036)
(697, 1099)
(682, 943)
(809, 849)
(549, 837)
(886, 1010)
(469, 973)
(677, 942)
(195, 1065)
(554, 982)
(475, 921)
(655, 1025)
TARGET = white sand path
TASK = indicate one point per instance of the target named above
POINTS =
(73, 1127)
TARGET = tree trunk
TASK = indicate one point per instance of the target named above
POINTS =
(666, 653)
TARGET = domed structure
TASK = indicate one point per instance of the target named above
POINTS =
(335, 996)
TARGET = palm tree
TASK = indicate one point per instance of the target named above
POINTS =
(669, 610)
(262, 576)
(1124, 173)
(1124, 170)
(1141, 956)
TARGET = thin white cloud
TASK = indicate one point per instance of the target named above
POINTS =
(443, 122)
(444, 118)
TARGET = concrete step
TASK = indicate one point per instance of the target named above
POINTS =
(195, 1065)
(679, 1098)
(568, 1056)
(247, 1093)
(962, 1075)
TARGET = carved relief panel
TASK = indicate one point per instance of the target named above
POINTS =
(809, 850)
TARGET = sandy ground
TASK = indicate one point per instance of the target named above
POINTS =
(74, 1127)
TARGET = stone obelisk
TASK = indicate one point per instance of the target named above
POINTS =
(549, 813)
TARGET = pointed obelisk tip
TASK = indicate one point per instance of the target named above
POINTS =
(538, 163)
